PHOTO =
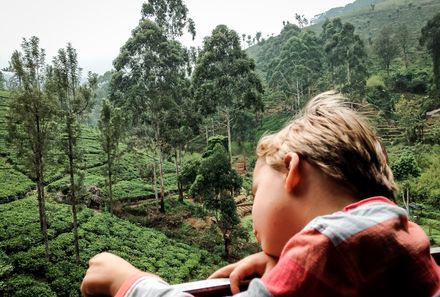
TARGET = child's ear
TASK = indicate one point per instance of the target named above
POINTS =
(291, 161)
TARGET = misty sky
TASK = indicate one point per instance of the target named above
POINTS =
(98, 28)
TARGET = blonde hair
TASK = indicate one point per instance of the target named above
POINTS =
(331, 135)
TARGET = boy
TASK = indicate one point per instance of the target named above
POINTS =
(322, 215)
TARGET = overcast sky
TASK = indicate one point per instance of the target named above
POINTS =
(98, 28)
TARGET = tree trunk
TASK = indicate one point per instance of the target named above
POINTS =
(156, 196)
(436, 71)
(40, 189)
(297, 94)
(42, 211)
(207, 135)
(110, 183)
(179, 185)
(227, 243)
(228, 123)
(162, 202)
(159, 151)
(72, 187)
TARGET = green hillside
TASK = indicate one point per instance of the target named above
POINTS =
(368, 23)
(25, 272)
(189, 238)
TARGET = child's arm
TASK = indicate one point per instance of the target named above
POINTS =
(259, 263)
(106, 275)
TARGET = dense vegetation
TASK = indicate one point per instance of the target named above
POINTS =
(140, 170)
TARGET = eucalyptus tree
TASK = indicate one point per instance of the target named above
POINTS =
(169, 15)
(30, 118)
(2, 80)
(386, 48)
(74, 101)
(224, 79)
(431, 39)
(151, 77)
(403, 41)
(216, 184)
(111, 127)
(298, 68)
(345, 55)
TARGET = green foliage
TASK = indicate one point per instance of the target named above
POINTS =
(111, 126)
(13, 184)
(23, 268)
(28, 286)
(427, 186)
(406, 166)
(380, 97)
(386, 48)
(188, 173)
(416, 82)
(410, 115)
(375, 81)
(431, 39)
(345, 56)
(170, 16)
(132, 190)
(298, 68)
(215, 184)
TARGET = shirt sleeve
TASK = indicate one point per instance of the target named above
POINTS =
(256, 289)
(148, 286)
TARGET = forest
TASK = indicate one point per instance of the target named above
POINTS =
(159, 151)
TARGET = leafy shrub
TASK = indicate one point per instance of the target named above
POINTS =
(13, 184)
(27, 286)
(406, 166)
(132, 189)
(376, 81)
(410, 81)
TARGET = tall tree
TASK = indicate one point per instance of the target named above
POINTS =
(386, 48)
(30, 119)
(216, 183)
(2, 80)
(224, 78)
(345, 55)
(152, 73)
(170, 15)
(431, 39)
(298, 69)
(402, 38)
(110, 126)
(74, 101)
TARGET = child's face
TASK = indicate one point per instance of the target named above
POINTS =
(274, 209)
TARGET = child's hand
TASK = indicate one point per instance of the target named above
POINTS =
(259, 263)
(106, 274)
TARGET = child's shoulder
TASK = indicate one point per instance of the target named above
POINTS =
(376, 215)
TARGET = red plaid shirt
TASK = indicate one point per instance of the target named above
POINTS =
(368, 249)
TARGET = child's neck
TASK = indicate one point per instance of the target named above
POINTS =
(324, 195)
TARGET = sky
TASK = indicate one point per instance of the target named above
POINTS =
(98, 28)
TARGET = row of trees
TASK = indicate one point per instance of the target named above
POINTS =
(166, 93)
(169, 94)
(46, 109)
(299, 62)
